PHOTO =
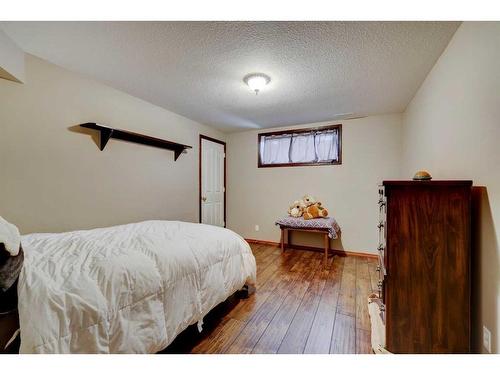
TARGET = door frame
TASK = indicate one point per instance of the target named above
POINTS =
(199, 174)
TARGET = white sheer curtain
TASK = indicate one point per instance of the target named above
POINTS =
(326, 144)
(307, 147)
(302, 148)
(275, 149)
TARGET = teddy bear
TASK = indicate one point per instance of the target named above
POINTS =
(313, 208)
(308, 200)
(314, 211)
(296, 209)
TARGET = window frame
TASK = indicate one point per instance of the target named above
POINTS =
(337, 127)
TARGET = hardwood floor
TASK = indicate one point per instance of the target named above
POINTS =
(299, 307)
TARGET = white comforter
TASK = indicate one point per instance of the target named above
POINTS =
(125, 289)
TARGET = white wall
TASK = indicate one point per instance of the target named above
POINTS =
(370, 152)
(55, 179)
(452, 128)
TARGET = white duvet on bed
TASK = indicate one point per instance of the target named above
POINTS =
(125, 289)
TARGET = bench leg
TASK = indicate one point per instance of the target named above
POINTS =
(327, 248)
(282, 239)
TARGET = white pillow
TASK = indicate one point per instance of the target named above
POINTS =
(10, 237)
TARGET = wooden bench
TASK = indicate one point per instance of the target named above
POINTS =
(285, 232)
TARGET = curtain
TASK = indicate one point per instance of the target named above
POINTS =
(275, 149)
(326, 145)
(307, 147)
(302, 148)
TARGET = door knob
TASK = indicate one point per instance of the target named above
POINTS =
(204, 199)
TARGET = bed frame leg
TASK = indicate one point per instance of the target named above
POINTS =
(246, 291)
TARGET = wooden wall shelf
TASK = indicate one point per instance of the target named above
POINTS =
(105, 133)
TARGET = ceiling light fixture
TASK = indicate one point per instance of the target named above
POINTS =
(257, 81)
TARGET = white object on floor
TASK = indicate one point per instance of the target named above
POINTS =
(14, 335)
(10, 237)
(126, 289)
(377, 325)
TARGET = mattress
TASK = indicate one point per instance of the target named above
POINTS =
(125, 289)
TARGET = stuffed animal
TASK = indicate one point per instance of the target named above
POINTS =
(314, 211)
(296, 209)
(308, 200)
(307, 207)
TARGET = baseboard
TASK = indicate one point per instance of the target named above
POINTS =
(313, 248)
(262, 242)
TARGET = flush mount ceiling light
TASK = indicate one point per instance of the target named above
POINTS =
(257, 81)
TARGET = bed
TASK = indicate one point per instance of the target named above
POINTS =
(126, 289)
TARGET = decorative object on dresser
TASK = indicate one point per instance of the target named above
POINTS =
(424, 265)
(422, 175)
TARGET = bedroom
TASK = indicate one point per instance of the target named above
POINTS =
(190, 127)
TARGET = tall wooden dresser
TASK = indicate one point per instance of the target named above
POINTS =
(424, 265)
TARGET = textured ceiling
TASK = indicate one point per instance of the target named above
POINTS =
(319, 70)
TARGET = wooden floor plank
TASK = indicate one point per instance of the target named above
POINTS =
(272, 337)
(320, 335)
(296, 336)
(218, 341)
(269, 257)
(344, 335)
(260, 252)
(246, 308)
(362, 268)
(270, 266)
(363, 290)
(258, 323)
(363, 344)
(299, 306)
(347, 296)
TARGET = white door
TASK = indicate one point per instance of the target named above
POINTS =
(212, 183)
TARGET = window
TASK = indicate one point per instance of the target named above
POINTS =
(318, 146)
